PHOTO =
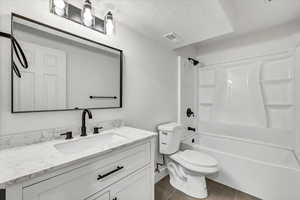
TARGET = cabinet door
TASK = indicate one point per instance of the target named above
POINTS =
(134, 187)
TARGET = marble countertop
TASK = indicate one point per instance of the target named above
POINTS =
(24, 163)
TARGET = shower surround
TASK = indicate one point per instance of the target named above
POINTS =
(248, 115)
(253, 98)
(256, 93)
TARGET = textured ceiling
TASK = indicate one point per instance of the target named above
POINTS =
(198, 21)
(192, 20)
(252, 15)
(255, 16)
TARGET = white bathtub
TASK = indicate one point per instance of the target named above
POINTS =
(265, 171)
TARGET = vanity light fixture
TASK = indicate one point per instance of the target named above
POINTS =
(109, 23)
(59, 7)
(87, 14)
(84, 15)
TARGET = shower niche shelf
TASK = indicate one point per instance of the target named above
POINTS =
(278, 105)
(207, 85)
(278, 91)
(206, 103)
(206, 89)
(276, 81)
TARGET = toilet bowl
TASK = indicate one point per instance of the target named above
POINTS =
(187, 169)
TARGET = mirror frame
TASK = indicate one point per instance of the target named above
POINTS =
(74, 35)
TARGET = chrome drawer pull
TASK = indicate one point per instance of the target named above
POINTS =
(109, 173)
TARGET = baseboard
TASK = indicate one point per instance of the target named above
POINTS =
(163, 172)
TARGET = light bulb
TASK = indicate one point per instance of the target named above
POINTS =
(109, 27)
(88, 17)
(109, 24)
(87, 14)
(60, 4)
(59, 7)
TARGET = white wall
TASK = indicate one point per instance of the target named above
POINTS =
(256, 45)
(150, 75)
(188, 94)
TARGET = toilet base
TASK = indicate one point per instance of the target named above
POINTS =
(191, 183)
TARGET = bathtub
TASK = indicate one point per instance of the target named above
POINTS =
(266, 171)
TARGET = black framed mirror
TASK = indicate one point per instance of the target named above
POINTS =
(65, 71)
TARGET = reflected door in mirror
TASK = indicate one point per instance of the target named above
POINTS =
(43, 85)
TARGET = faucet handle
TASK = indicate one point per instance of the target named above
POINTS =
(69, 135)
(96, 129)
(191, 129)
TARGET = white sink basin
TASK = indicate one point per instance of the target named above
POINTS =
(93, 142)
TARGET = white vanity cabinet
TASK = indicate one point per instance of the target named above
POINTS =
(124, 174)
(135, 187)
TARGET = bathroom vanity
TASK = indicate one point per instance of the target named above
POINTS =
(116, 164)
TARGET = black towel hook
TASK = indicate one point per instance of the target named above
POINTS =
(19, 52)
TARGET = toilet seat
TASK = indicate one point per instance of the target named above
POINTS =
(196, 161)
(198, 158)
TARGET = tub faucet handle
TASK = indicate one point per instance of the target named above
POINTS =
(69, 135)
(190, 113)
(191, 129)
(96, 129)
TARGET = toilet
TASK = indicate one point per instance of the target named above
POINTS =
(187, 169)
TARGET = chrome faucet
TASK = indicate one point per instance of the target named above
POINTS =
(83, 126)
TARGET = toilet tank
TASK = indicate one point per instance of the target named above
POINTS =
(170, 137)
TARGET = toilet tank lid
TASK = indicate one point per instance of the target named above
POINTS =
(169, 126)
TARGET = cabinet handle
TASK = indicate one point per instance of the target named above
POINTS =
(109, 173)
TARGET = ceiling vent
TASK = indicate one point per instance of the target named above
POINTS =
(173, 37)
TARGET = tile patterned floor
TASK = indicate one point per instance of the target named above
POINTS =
(216, 191)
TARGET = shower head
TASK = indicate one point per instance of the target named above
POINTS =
(193, 61)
